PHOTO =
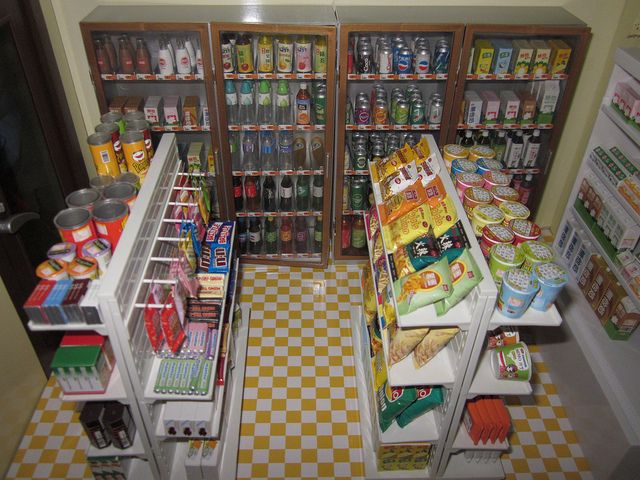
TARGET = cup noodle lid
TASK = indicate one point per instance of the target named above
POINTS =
(520, 280)
(463, 165)
(514, 210)
(488, 214)
(505, 193)
(470, 179)
(478, 195)
(551, 274)
(497, 234)
(507, 254)
(525, 229)
(455, 151)
(496, 178)
(537, 251)
(482, 151)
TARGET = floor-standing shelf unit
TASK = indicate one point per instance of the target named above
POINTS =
(609, 360)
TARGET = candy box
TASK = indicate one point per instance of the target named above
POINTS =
(216, 248)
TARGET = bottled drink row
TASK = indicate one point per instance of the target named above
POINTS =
(353, 236)
(179, 55)
(300, 193)
(407, 107)
(250, 103)
(269, 151)
(273, 235)
(514, 148)
(365, 147)
(398, 54)
(245, 53)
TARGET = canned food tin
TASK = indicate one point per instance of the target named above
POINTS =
(514, 210)
(453, 152)
(110, 217)
(82, 268)
(100, 250)
(65, 251)
(484, 215)
(512, 362)
(75, 225)
(125, 192)
(142, 126)
(535, 252)
(84, 198)
(494, 235)
(132, 117)
(481, 151)
(100, 182)
(129, 177)
(465, 180)
(113, 117)
(52, 270)
(113, 129)
(487, 164)
(135, 153)
(475, 196)
(493, 178)
(524, 230)
(551, 279)
(103, 154)
(462, 165)
(504, 194)
(503, 257)
(516, 293)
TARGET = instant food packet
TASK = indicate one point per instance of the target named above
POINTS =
(383, 274)
(403, 341)
(403, 202)
(387, 166)
(375, 337)
(370, 301)
(453, 242)
(379, 369)
(407, 228)
(422, 149)
(428, 399)
(152, 316)
(431, 344)
(398, 181)
(378, 248)
(186, 244)
(426, 173)
(391, 402)
(502, 336)
(465, 275)
(415, 256)
(423, 288)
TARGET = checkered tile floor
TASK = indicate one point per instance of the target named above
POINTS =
(300, 413)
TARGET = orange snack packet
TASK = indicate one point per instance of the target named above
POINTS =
(402, 202)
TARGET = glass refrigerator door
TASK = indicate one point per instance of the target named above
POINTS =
(276, 84)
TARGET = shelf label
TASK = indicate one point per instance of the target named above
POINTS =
(387, 76)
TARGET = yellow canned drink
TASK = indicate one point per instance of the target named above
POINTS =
(103, 154)
(135, 153)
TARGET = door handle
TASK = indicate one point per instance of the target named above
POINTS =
(15, 222)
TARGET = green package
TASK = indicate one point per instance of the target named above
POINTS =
(391, 402)
(465, 275)
(414, 257)
(428, 399)
(423, 288)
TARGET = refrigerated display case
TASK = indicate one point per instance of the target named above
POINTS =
(275, 81)
(372, 67)
(519, 68)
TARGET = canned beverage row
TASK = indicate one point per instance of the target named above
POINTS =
(397, 54)
(365, 147)
(357, 193)
(264, 53)
(284, 150)
(249, 103)
(278, 235)
(404, 106)
(166, 56)
(298, 193)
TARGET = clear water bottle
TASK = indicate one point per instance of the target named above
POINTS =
(283, 103)
(267, 154)
(246, 110)
(249, 152)
(234, 148)
(285, 151)
(265, 116)
(231, 100)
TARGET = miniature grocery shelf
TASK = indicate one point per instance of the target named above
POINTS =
(274, 173)
(115, 391)
(263, 128)
(511, 76)
(184, 77)
(397, 76)
(632, 132)
(531, 318)
(302, 213)
(460, 467)
(275, 256)
(485, 382)
(397, 128)
(99, 328)
(505, 126)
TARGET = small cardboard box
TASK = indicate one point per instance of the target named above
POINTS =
(547, 100)
(527, 107)
(172, 110)
(521, 57)
(196, 157)
(541, 57)
(81, 369)
(153, 110)
(509, 106)
(502, 56)
(483, 56)
(560, 53)
(490, 106)
(191, 111)
(593, 265)
(473, 110)
(117, 104)
(134, 104)
(624, 320)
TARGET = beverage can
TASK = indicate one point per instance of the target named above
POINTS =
(76, 226)
(401, 115)
(365, 59)
(358, 194)
(110, 217)
(84, 198)
(123, 191)
(133, 116)
(360, 158)
(113, 117)
(385, 59)
(381, 112)
(441, 57)
(103, 154)
(128, 177)
(363, 113)
(435, 111)
(100, 182)
(99, 250)
(320, 106)
(135, 153)
(422, 60)
(417, 112)
(512, 362)
(346, 188)
(405, 60)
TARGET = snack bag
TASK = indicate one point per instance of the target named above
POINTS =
(373, 225)
(422, 149)
(378, 249)
(443, 215)
(383, 275)
(181, 269)
(387, 166)
(431, 344)
(370, 302)
(152, 316)
(186, 244)
(435, 191)
(465, 275)
(428, 399)
(403, 341)
(403, 202)
(419, 254)
(453, 242)
(426, 173)
(424, 287)
(391, 402)
(407, 228)
(398, 180)
(375, 337)
(388, 310)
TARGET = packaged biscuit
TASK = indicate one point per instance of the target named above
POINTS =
(391, 402)
(415, 256)
(403, 341)
(407, 228)
(403, 202)
(465, 275)
(428, 399)
(387, 166)
(443, 216)
(398, 180)
(423, 288)
(431, 344)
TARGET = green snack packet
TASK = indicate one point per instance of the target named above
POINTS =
(415, 256)
(391, 402)
(423, 288)
(428, 399)
(465, 275)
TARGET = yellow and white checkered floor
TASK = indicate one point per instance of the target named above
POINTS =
(300, 413)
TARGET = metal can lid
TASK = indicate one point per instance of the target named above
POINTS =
(99, 138)
(136, 115)
(71, 218)
(83, 197)
(107, 127)
(131, 136)
(110, 209)
(119, 191)
(111, 117)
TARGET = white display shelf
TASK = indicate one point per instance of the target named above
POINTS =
(151, 396)
(463, 442)
(632, 132)
(422, 430)
(614, 192)
(459, 467)
(531, 318)
(486, 383)
(99, 328)
(139, 468)
(459, 316)
(135, 450)
(115, 391)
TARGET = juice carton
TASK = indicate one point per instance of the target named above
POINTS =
(540, 59)
(172, 110)
(490, 106)
(473, 109)
(593, 265)
(610, 297)
(483, 56)
(521, 57)
(599, 284)
(560, 53)
(472, 55)
(509, 106)
(502, 56)
(195, 157)
(153, 110)
(624, 319)
(564, 234)
(580, 259)
(547, 100)
(190, 111)
(527, 107)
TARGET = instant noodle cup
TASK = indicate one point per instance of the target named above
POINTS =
(484, 165)
(514, 211)
(100, 250)
(516, 292)
(460, 166)
(494, 178)
(551, 279)
(535, 252)
(484, 215)
(481, 151)
(524, 231)
(453, 152)
(494, 235)
(65, 251)
(76, 226)
(503, 257)
(512, 362)
(125, 192)
(465, 180)
(475, 196)
(407, 228)
(504, 194)
(423, 288)
(83, 268)
(52, 270)
(84, 198)
(110, 217)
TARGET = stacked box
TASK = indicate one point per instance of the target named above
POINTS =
(81, 339)
(502, 56)
(81, 369)
(473, 107)
(610, 168)
(172, 110)
(509, 107)
(482, 56)
(527, 107)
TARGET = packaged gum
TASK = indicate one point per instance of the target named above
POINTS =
(465, 275)
(431, 344)
(407, 228)
(403, 341)
(402, 202)
(398, 180)
(423, 288)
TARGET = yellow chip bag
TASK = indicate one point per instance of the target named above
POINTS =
(407, 228)
(372, 220)
(422, 149)
(385, 167)
(388, 310)
(379, 368)
(378, 249)
(431, 344)
(401, 203)
(398, 180)
(443, 215)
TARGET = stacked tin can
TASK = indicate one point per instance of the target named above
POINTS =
(406, 107)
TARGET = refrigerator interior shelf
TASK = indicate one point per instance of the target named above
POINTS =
(180, 128)
(354, 212)
(464, 442)
(416, 127)
(506, 126)
(522, 171)
(115, 391)
(356, 172)
(394, 76)
(632, 132)
(275, 76)
(69, 327)
(274, 127)
(274, 173)
(479, 469)
(306, 213)
(510, 76)
(184, 77)
(135, 450)
(274, 256)
(486, 383)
